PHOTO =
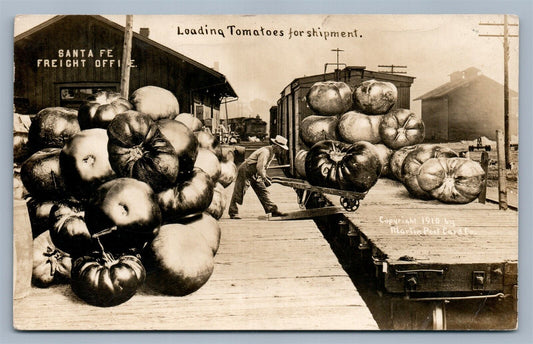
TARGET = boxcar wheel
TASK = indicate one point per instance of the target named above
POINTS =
(349, 204)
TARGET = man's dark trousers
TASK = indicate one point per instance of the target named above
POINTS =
(246, 176)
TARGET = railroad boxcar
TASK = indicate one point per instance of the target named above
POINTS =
(248, 127)
(292, 107)
(273, 121)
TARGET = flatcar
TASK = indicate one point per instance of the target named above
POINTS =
(413, 274)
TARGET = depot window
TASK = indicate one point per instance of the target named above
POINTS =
(74, 96)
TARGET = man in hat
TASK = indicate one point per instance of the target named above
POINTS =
(253, 172)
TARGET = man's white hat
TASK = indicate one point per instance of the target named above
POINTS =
(280, 141)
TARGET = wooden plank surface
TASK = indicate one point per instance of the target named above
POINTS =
(433, 232)
(278, 275)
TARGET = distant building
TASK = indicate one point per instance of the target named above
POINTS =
(69, 57)
(469, 106)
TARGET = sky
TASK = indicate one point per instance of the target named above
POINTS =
(260, 67)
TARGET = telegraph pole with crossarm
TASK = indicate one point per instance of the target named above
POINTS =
(338, 64)
(506, 35)
(338, 51)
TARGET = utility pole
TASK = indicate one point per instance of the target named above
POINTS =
(506, 35)
(507, 135)
(126, 58)
(338, 51)
(337, 69)
(227, 116)
(391, 71)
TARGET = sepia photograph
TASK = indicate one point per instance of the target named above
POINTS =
(281, 172)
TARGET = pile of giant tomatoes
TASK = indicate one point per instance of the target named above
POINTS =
(432, 171)
(356, 136)
(124, 194)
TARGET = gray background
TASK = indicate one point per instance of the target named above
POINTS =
(522, 8)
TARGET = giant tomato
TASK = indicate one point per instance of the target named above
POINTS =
(104, 281)
(100, 109)
(400, 128)
(338, 165)
(415, 159)
(137, 149)
(452, 180)
(124, 214)
(191, 196)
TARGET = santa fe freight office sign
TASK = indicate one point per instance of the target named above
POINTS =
(81, 58)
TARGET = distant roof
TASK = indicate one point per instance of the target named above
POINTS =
(372, 74)
(450, 86)
(229, 88)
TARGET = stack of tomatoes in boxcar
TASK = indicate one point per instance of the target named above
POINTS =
(357, 136)
(124, 193)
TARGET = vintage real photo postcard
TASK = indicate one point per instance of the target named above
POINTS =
(265, 172)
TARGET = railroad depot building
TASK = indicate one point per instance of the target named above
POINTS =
(63, 60)
(467, 107)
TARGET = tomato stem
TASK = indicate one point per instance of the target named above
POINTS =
(100, 244)
(136, 152)
(53, 255)
(105, 232)
(334, 148)
(335, 154)
(108, 258)
(53, 175)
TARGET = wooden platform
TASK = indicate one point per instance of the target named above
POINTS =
(268, 276)
(512, 197)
